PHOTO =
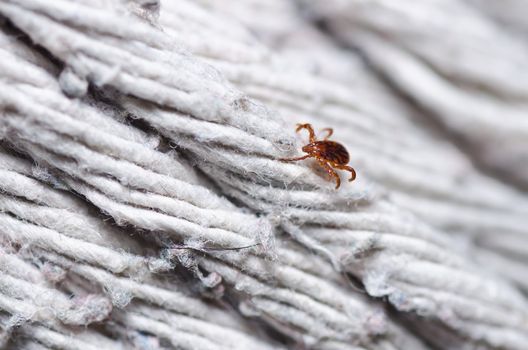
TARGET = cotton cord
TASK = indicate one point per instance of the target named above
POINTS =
(169, 222)
(176, 141)
(30, 273)
(464, 94)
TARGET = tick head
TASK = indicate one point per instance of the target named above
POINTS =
(310, 148)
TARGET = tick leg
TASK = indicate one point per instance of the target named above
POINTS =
(331, 172)
(294, 159)
(309, 128)
(347, 168)
(330, 131)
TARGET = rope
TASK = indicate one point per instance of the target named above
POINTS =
(174, 141)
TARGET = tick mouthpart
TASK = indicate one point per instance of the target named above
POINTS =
(310, 148)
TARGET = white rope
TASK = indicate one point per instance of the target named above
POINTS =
(165, 219)
(390, 228)
(25, 282)
(465, 94)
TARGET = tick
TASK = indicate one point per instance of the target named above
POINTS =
(330, 154)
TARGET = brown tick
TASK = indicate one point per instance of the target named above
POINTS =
(331, 155)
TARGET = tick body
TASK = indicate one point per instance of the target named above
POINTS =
(330, 154)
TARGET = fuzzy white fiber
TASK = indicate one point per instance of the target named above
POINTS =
(140, 144)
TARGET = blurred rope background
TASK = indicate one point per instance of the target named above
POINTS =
(139, 139)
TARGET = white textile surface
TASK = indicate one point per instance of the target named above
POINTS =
(144, 203)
